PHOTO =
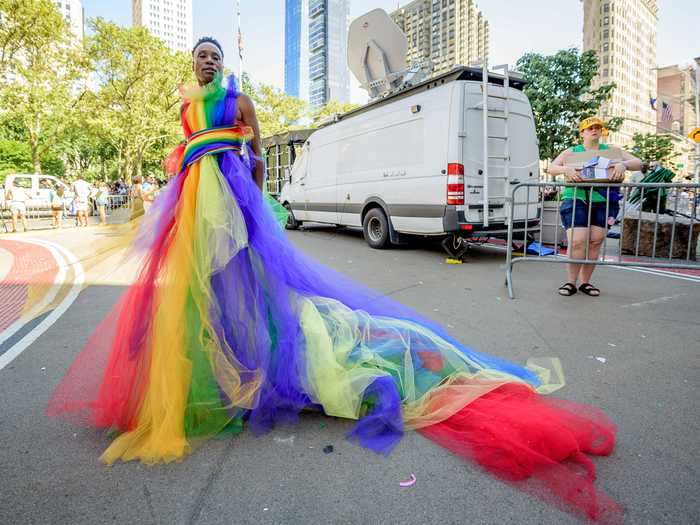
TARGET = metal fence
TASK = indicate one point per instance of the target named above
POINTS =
(658, 226)
(35, 212)
(114, 202)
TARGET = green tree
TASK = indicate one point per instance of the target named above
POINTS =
(136, 108)
(15, 157)
(332, 108)
(40, 71)
(23, 23)
(652, 147)
(560, 92)
(277, 112)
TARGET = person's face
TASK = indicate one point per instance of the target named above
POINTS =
(207, 62)
(593, 132)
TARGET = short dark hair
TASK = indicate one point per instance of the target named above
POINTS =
(208, 40)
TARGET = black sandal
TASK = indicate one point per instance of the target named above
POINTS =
(589, 290)
(567, 290)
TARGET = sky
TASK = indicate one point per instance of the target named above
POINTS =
(516, 27)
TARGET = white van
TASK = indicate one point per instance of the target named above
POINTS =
(413, 162)
(37, 189)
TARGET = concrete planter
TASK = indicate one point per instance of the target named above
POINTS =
(664, 230)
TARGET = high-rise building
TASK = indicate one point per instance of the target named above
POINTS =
(447, 32)
(296, 49)
(169, 20)
(316, 36)
(72, 11)
(675, 105)
(623, 34)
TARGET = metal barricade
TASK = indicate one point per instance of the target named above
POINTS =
(659, 226)
(116, 201)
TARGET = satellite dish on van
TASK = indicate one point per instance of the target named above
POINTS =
(377, 50)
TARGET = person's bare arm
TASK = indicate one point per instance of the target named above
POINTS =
(250, 119)
(629, 162)
(557, 168)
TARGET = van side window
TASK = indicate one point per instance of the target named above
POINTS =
(23, 182)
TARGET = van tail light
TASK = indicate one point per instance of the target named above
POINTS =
(455, 184)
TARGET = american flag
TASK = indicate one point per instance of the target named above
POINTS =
(666, 112)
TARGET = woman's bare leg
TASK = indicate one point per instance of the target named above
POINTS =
(577, 238)
(596, 241)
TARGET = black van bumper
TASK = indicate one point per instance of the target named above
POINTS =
(454, 222)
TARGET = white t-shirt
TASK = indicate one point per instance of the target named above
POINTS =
(18, 194)
(82, 189)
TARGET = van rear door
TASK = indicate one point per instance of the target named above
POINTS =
(517, 141)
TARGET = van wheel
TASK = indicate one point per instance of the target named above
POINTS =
(376, 229)
(292, 223)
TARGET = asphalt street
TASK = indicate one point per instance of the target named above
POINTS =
(634, 352)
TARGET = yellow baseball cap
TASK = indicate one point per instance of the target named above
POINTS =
(592, 121)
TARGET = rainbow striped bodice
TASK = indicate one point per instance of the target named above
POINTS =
(210, 141)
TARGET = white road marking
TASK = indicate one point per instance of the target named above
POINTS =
(658, 300)
(660, 273)
(50, 319)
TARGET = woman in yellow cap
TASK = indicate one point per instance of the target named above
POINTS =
(575, 206)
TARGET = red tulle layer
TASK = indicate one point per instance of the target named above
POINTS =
(539, 444)
(104, 386)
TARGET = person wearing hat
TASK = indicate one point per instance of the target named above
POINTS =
(584, 238)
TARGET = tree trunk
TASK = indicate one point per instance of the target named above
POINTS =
(36, 159)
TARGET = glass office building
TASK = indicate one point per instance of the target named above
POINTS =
(316, 33)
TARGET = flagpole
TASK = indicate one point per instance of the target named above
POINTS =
(238, 40)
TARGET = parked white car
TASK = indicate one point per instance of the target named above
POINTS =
(413, 162)
(37, 189)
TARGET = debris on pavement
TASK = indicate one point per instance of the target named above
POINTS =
(410, 482)
(328, 449)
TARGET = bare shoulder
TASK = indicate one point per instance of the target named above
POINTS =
(245, 102)
(563, 156)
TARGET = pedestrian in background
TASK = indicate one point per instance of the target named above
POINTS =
(56, 199)
(82, 190)
(101, 198)
(17, 198)
(136, 198)
(585, 240)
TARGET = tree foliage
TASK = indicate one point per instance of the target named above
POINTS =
(560, 92)
(652, 147)
(136, 107)
(15, 157)
(40, 71)
(332, 108)
(277, 112)
(25, 24)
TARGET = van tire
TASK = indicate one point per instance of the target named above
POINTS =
(292, 223)
(375, 228)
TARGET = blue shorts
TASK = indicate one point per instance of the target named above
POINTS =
(598, 216)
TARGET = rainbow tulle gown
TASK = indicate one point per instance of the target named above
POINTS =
(228, 324)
